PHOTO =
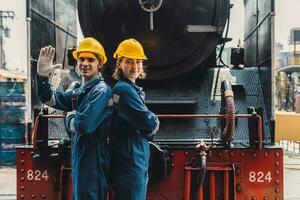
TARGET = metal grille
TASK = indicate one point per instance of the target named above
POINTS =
(196, 129)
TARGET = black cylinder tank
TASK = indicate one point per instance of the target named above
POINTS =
(185, 32)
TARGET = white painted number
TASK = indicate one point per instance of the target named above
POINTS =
(37, 175)
(260, 177)
(30, 175)
(268, 177)
(45, 175)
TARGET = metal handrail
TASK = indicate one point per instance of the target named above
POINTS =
(193, 116)
(172, 116)
(36, 125)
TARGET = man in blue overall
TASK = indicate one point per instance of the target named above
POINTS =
(89, 121)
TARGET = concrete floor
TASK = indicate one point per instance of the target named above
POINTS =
(291, 178)
(291, 175)
(7, 183)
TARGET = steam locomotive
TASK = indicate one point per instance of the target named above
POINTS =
(216, 138)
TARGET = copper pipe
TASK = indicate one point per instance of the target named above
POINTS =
(212, 186)
(226, 185)
(187, 185)
(229, 129)
(228, 107)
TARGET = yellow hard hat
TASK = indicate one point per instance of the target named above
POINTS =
(90, 45)
(130, 48)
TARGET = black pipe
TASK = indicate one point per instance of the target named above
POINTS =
(200, 181)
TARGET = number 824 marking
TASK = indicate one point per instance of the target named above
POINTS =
(37, 175)
(260, 177)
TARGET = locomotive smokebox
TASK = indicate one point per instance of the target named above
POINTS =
(177, 35)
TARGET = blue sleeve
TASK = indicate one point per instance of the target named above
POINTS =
(55, 99)
(132, 109)
(93, 112)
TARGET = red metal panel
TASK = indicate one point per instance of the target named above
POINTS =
(231, 174)
(235, 174)
(41, 179)
(263, 174)
(35, 179)
(172, 187)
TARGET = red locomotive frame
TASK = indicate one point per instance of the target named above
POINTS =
(231, 173)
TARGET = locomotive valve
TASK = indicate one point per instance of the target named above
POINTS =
(150, 6)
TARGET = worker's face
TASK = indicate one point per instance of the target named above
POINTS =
(131, 68)
(88, 65)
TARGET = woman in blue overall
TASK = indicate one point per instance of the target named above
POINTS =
(89, 121)
(133, 125)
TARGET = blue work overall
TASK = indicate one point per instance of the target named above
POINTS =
(90, 125)
(133, 126)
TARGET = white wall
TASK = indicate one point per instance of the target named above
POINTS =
(236, 26)
(287, 16)
(15, 46)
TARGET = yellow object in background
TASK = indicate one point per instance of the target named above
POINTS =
(287, 126)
